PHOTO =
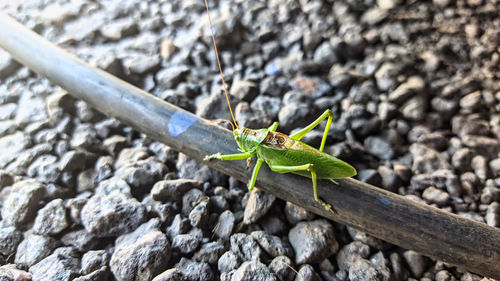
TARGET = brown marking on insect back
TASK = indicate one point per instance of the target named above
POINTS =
(278, 140)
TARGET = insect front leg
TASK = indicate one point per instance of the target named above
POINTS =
(238, 156)
(305, 167)
(327, 114)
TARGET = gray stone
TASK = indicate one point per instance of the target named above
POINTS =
(427, 160)
(85, 137)
(282, 268)
(93, 260)
(119, 29)
(51, 219)
(259, 203)
(379, 147)
(112, 215)
(358, 235)
(10, 272)
(313, 241)
(414, 109)
(210, 252)
(143, 259)
(9, 239)
(416, 262)
(253, 271)
(171, 190)
(225, 225)
(22, 202)
(350, 253)
(435, 195)
(195, 271)
(81, 240)
(185, 243)
(246, 247)
(442, 179)
(244, 90)
(295, 213)
(11, 146)
(33, 249)
(113, 186)
(114, 144)
(8, 65)
(471, 101)
(479, 165)
(363, 270)
(179, 225)
(141, 63)
(484, 145)
(307, 273)
(45, 168)
(228, 261)
(7, 111)
(272, 244)
(142, 174)
(30, 108)
(169, 77)
(413, 86)
(56, 267)
(172, 274)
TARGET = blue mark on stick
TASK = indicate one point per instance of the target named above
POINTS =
(180, 122)
(383, 201)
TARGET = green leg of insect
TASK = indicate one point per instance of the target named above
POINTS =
(273, 127)
(305, 167)
(238, 156)
(328, 113)
(251, 183)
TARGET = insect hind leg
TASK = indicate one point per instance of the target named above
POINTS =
(305, 167)
(327, 114)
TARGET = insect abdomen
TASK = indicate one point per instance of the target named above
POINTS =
(298, 153)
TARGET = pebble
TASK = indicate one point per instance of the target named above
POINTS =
(307, 273)
(198, 217)
(172, 274)
(94, 260)
(416, 262)
(11, 147)
(170, 77)
(210, 252)
(244, 90)
(195, 271)
(33, 249)
(493, 214)
(225, 225)
(435, 195)
(253, 271)
(11, 272)
(111, 215)
(9, 239)
(282, 268)
(259, 203)
(313, 241)
(185, 243)
(144, 258)
(51, 219)
(80, 239)
(427, 160)
(21, 204)
(56, 267)
(7, 65)
(273, 245)
(379, 147)
(169, 190)
(246, 247)
(228, 261)
(30, 109)
(412, 87)
(350, 253)
(295, 213)
(119, 29)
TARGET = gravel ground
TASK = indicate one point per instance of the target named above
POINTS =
(415, 94)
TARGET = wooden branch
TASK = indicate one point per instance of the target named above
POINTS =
(468, 244)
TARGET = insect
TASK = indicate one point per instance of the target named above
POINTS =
(282, 153)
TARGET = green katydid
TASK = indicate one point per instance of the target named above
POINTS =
(282, 153)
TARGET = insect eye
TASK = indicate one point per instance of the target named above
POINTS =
(281, 140)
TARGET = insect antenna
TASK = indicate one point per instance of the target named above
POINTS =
(219, 64)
